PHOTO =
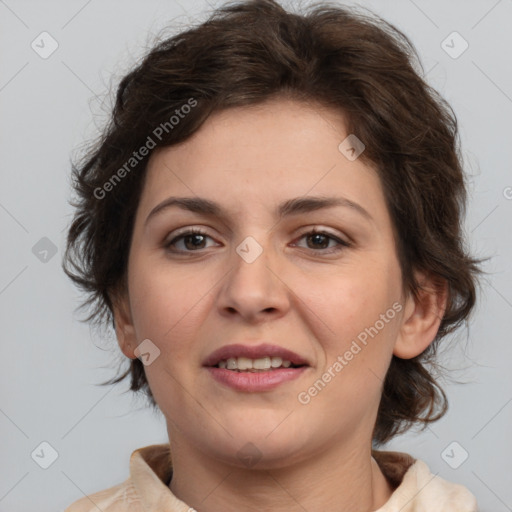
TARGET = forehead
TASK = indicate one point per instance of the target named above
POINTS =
(262, 155)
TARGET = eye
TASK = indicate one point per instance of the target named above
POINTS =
(192, 239)
(321, 239)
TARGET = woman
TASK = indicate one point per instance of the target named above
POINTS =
(271, 222)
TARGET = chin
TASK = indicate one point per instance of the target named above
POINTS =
(268, 444)
(254, 456)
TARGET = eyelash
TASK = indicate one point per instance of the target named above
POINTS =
(343, 244)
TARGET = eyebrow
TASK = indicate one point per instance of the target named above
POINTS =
(295, 206)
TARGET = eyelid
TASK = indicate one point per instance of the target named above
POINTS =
(342, 243)
(306, 230)
(182, 232)
(326, 231)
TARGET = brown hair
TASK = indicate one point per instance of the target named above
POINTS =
(252, 51)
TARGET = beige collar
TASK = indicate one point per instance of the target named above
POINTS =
(416, 488)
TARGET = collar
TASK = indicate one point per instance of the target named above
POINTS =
(416, 488)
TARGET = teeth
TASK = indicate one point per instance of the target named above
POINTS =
(245, 364)
(262, 364)
(276, 362)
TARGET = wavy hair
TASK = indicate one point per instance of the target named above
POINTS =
(252, 51)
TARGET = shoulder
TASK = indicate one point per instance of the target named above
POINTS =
(119, 498)
(440, 494)
(417, 488)
(150, 469)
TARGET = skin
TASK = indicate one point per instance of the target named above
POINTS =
(296, 295)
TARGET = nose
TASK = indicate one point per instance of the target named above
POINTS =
(254, 287)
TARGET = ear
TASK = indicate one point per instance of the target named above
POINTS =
(422, 316)
(125, 331)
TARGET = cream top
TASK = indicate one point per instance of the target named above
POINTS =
(146, 489)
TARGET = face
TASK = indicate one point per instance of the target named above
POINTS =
(257, 277)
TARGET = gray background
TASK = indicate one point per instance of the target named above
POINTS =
(51, 362)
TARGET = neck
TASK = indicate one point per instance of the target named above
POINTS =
(338, 479)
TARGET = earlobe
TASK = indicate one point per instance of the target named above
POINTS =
(422, 317)
(125, 331)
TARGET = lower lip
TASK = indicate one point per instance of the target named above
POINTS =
(255, 381)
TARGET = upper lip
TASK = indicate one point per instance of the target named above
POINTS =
(253, 352)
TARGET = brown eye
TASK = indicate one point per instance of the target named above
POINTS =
(319, 241)
(191, 240)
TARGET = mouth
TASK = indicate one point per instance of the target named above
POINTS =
(254, 368)
(247, 358)
(262, 364)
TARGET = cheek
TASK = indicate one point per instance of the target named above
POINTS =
(363, 320)
(351, 301)
(166, 304)
(165, 308)
(361, 308)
